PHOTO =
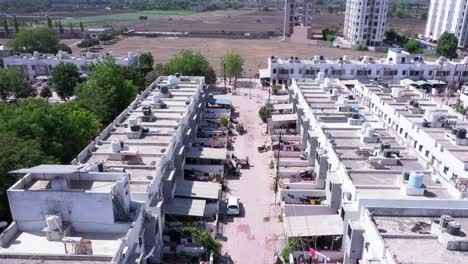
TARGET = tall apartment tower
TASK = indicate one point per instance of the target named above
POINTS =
(296, 13)
(448, 16)
(365, 22)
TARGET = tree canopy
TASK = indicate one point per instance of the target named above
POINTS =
(447, 45)
(107, 92)
(146, 62)
(65, 77)
(413, 46)
(14, 83)
(233, 63)
(190, 63)
(61, 130)
(41, 39)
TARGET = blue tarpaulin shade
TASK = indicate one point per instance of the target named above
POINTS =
(220, 101)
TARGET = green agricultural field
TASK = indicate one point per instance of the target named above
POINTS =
(124, 17)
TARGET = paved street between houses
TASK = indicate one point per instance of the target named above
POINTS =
(251, 237)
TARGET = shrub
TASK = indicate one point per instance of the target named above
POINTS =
(362, 48)
(86, 43)
(263, 112)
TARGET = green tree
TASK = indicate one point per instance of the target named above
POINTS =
(106, 93)
(391, 35)
(65, 77)
(224, 121)
(154, 74)
(81, 27)
(190, 63)
(447, 45)
(16, 153)
(15, 23)
(135, 75)
(413, 46)
(60, 28)
(38, 39)
(64, 47)
(71, 28)
(49, 22)
(145, 62)
(62, 130)
(5, 26)
(14, 83)
(233, 63)
(46, 92)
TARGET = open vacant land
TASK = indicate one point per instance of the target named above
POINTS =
(128, 18)
(254, 51)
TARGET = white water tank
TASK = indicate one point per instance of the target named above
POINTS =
(132, 121)
(335, 92)
(397, 92)
(435, 116)
(116, 146)
(465, 60)
(365, 59)
(326, 83)
(172, 80)
(36, 54)
(320, 76)
(345, 58)
(441, 60)
(54, 222)
(156, 99)
(369, 132)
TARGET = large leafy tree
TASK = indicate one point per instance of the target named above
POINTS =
(14, 83)
(107, 92)
(233, 63)
(17, 153)
(61, 130)
(65, 77)
(413, 46)
(190, 63)
(38, 39)
(447, 45)
(146, 61)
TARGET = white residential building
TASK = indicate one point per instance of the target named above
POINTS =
(398, 65)
(365, 22)
(111, 203)
(296, 13)
(389, 149)
(448, 16)
(41, 65)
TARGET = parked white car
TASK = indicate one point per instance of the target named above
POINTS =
(232, 207)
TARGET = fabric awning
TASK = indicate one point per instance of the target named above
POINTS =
(436, 82)
(185, 207)
(51, 169)
(421, 83)
(198, 189)
(313, 225)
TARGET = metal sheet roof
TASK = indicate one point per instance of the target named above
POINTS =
(185, 207)
(198, 189)
(313, 225)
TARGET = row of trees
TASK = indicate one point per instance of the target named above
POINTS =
(40, 39)
(447, 45)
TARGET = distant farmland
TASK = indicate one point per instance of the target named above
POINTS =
(123, 17)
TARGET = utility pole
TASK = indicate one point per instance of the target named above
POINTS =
(277, 166)
(224, 70)
(250, 87)
(268, 108)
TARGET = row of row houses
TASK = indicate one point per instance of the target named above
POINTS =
(152, 171)
(366, 170)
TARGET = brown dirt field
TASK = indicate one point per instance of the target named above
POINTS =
(255, 52)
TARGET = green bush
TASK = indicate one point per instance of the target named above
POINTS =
(362, 48)
(263, 112)
(86, 43)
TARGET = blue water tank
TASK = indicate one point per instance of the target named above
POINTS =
(322, 57)
(416, 58)
(415, 180)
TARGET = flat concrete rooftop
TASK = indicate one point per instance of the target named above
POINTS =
(104, 244)
(400, 232)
